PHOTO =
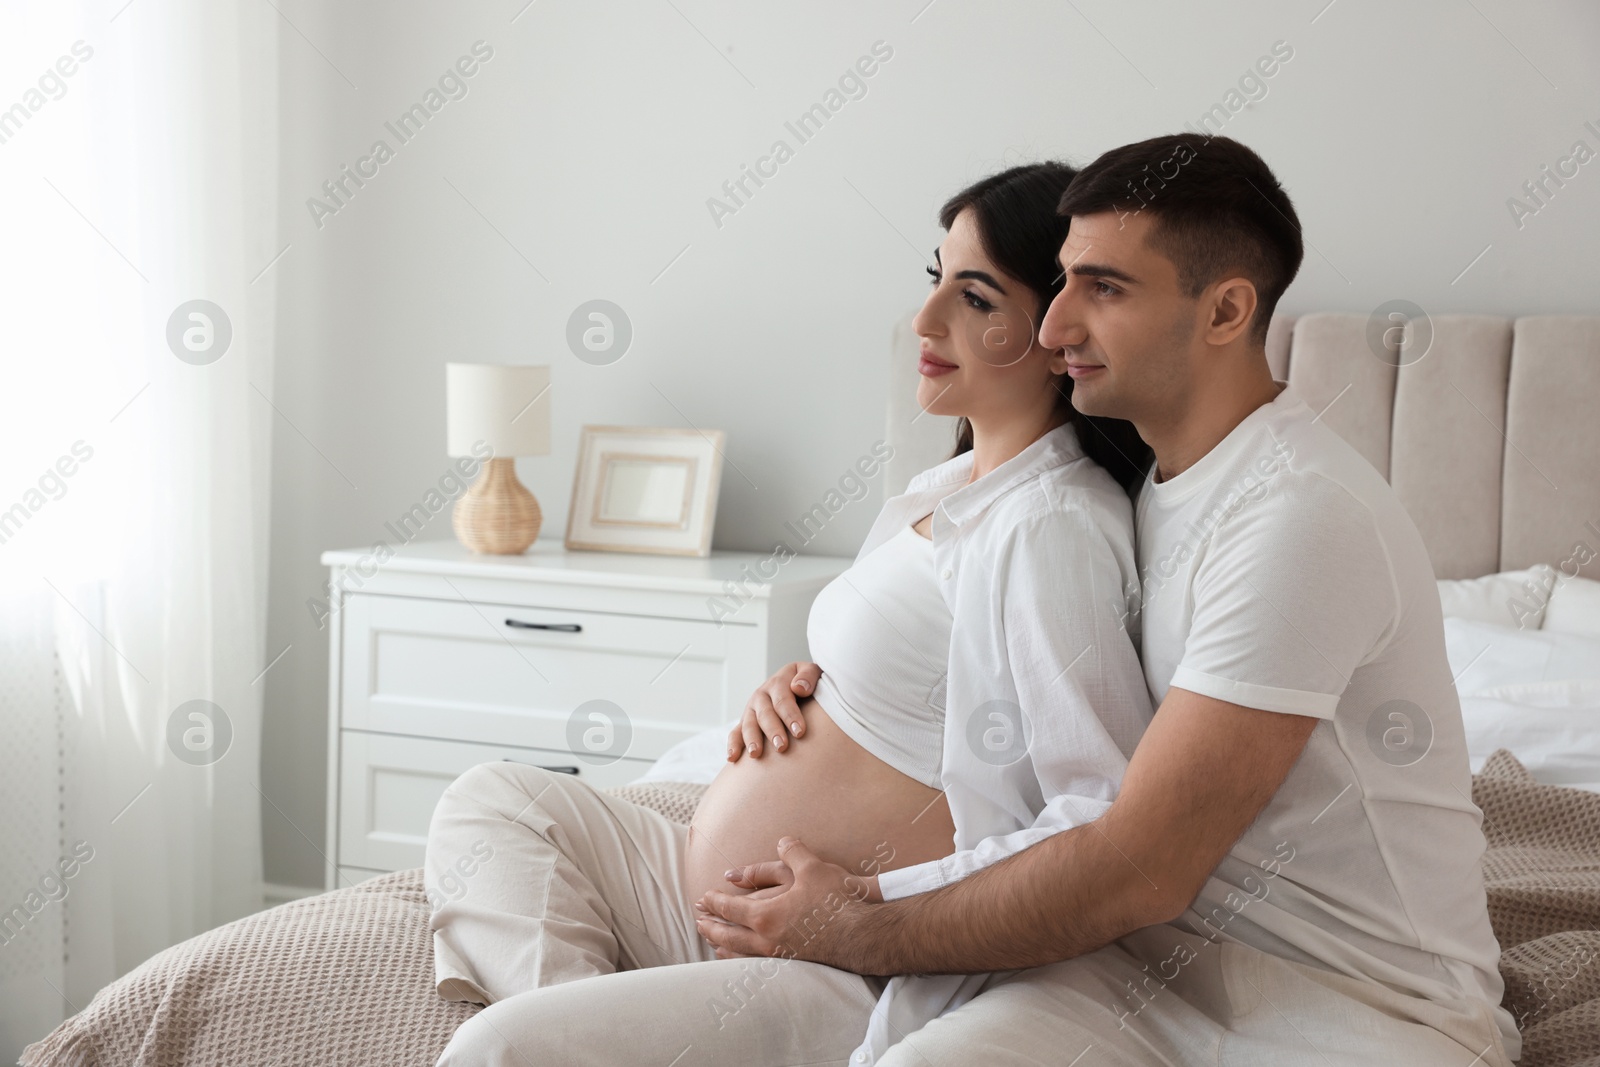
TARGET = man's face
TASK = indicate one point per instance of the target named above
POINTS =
(1131, 335)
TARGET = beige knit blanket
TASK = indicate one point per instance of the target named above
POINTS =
(1542, 871)
(346, 978)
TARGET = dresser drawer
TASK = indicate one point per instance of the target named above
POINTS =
(391, 785)
(490, 672)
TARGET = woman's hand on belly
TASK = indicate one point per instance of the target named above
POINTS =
(848, 806)
(773, 712)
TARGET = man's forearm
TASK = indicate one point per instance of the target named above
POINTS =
(1070, 894)
(1203, 772)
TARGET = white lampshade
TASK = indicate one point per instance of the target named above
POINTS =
(506, 407)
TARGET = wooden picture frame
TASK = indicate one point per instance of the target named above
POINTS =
(645, 489)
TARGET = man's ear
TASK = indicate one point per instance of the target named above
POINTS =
(1232, 305)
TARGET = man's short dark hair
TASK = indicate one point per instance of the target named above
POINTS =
(1216, 209)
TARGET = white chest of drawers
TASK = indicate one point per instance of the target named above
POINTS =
(594, 663)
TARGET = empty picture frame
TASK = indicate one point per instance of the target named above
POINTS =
(645, 489)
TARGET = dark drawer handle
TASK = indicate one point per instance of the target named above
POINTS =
(542, 767)
(564, 627)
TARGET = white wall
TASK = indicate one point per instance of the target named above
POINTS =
(592, 139)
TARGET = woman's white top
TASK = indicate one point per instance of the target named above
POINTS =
(1044, 695)
(881, 631)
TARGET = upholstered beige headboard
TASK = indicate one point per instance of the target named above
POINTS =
(1491, 438)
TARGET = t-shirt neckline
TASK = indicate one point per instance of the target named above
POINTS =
(1202, 470)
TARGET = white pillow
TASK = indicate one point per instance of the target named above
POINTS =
(697, 758)
(1574, 607)
(1512, 598)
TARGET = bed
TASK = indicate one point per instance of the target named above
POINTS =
(1489, 440)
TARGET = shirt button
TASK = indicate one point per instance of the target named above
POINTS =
(861, 1057)
(948, 572)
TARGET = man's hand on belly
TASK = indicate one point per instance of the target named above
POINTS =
(1203, 772)
(802, 908)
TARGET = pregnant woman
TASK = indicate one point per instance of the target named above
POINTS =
(997, 584)
(863, 790)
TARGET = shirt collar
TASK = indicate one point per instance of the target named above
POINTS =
(1055, 449)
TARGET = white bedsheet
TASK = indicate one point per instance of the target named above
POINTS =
(1553, 728)
(1534, 692)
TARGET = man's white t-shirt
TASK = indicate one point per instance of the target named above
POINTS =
(1281, 573)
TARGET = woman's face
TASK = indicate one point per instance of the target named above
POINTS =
(980, 355)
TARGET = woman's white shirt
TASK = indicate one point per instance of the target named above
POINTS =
(1045, 696)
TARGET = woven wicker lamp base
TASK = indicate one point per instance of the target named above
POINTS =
(498, 515)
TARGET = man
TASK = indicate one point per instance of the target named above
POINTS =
(1290, 872)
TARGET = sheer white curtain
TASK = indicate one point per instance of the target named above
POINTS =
(138, 169)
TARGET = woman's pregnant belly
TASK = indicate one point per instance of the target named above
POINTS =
(848, 806)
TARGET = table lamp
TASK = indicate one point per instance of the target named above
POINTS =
(508, 409)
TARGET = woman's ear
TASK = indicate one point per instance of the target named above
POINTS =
(1056, 361)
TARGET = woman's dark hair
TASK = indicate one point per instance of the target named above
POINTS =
(1015, 212)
